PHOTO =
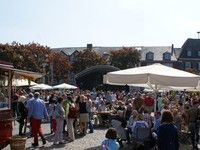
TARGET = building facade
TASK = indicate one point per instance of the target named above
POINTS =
(189, 56)
(185, 58)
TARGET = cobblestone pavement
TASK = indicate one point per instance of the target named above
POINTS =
(91, 141)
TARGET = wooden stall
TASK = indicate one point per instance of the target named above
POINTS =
(7, 74)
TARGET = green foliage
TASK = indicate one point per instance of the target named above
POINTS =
(125, 58)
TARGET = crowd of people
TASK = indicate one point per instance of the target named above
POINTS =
(75, 112)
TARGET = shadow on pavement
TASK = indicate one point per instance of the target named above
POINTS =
(94, 148)
(50, 147)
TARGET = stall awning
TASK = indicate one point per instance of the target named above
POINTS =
(17, 72)
(27, 74)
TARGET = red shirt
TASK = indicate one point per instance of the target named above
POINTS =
(148, 101)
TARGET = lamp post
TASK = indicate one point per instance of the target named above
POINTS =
(44, 71)
(51, 68)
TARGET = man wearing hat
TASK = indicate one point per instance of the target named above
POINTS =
(37, 112)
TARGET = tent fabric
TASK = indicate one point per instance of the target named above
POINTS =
(155, 74)
(41, 87)
(21, 82)
(64, 86)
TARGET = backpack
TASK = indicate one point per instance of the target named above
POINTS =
(73, 112)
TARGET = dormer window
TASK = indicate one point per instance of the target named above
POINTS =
(189, 53)
(166, 56)
(199, 53)
(188, 65)
(149, 56)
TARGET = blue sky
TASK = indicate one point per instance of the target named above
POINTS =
(68, 23)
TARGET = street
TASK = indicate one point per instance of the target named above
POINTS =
(92, 141)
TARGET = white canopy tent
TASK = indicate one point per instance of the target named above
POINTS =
(189, 89)
(155, 74)
(41, 87)
(65, 86)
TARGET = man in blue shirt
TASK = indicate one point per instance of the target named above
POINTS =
(37, 112)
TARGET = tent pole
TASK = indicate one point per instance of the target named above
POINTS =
(155, 102)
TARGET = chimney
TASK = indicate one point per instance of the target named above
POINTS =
(198, 34)
(89, 46)
(172, 49)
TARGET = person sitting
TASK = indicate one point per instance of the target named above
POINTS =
(111, 140)
(119, 123)
(167, 133)
(102, 107)
(140, 123)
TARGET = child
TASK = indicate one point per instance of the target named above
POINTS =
(110, 143)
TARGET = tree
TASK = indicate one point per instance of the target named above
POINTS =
(28, 57)
(61, 66)
(35, 57)
(86, 59)
(125, 58)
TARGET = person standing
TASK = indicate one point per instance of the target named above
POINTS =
(66, 104)
(90, 114)
(84, 117)
(59, 113)
(52, 117)
(167, 133)
(193, 116)
(72, 115)
(21, 113)
(37, 112)
(27, 104)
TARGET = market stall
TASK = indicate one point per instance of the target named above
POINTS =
(7, 74)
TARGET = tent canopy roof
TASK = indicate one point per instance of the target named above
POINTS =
(156, 74)
(64, 86)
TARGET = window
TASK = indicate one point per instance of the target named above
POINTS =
(168, 64)
(149, 64)
(189, 53)
(198, 66)
(188, 65)
(198, 53)
(149, 56)
(166, 56)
